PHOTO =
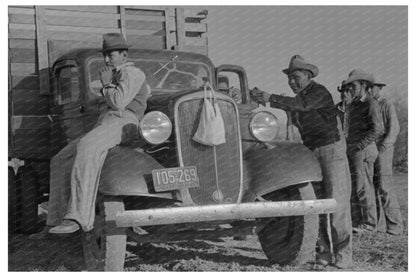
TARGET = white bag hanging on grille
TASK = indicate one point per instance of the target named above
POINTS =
(210, 130)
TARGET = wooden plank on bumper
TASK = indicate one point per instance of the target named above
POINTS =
(176, 215)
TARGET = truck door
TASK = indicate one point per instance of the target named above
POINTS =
(68, 104)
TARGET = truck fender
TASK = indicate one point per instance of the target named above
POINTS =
(127, 171)
(284, 165)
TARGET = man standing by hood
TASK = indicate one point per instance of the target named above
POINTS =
(314, 113)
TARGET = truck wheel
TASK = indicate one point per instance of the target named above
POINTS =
(14, 217)
(290, 240)
(29, 192)
(105, 245)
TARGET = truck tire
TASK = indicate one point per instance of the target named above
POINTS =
(290, 240)
(14, 209)
(104, 246)
(29, 196)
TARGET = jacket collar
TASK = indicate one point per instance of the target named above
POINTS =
(118, 68)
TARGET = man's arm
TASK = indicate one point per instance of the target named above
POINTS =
(376, 126)
(393, 127)
(119, 95)
(314, 100)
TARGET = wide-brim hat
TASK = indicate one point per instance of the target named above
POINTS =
(114, 41)
(297, 62)
(360, 75)
(379, 84)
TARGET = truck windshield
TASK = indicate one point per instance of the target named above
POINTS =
(163, 76)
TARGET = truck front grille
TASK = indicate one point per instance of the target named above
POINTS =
(227, 156)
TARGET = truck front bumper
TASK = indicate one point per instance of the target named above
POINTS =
(162, 216)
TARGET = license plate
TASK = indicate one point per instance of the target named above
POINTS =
(175, 178)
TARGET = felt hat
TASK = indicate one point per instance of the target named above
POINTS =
(379, 84)
(114, 41)
(297, 62)
(359, 74)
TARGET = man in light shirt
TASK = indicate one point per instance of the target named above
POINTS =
(126, 91)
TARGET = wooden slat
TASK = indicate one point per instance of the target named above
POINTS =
(82, 22)
(22, 43)
(96, 9)
(18, 55)
(42, 47)
(57, 35)
(22, 18)
(152, 18)
(147, 42)
(77, 14)
(22, 34)
(123, 21)
(180, 27)
(25, 82)
(23, 69)
(52, 28)
(20, 10)
(29, 27)
(146, 32)
(168, 28)
(144, 25)
(196, 27)
(143, 10)
(193, 13)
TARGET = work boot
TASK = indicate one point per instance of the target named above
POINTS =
(342, 263)
(66, 227)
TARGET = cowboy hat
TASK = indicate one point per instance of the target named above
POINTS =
(114, 41)
(359, 74)
(297, 62)
(377, 83)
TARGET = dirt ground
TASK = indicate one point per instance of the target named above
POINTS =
(371, 252)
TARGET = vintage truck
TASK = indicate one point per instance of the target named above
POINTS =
(161, 185)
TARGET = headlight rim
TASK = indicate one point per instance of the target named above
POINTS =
(143, 120)
(251, 126)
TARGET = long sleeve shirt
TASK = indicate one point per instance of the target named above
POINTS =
(390, 122)
(314, 113)
(125, 85)
(365, 123)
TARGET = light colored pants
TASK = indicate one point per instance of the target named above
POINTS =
(364, 209)
(85, 168)
(336, 184)
(389, 215)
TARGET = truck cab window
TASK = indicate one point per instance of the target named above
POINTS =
(67, 85)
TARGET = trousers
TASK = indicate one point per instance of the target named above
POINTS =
(336, 184)
(363, 198)
(76, 169)
(389, 215)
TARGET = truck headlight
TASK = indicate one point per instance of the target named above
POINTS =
(263, 126)
(155, 127)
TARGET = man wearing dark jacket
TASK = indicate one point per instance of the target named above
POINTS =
(364, 128)
(314, 113)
